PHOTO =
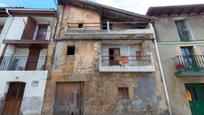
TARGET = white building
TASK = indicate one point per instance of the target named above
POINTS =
(24, 39)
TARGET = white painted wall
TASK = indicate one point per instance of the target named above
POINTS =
(10, 50)
(24, 76)
(48, 35)
(16, 28)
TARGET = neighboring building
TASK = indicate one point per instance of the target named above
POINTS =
(104, 63)
(180, 36)
(24, 39)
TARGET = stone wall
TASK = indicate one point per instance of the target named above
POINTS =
(146, 95)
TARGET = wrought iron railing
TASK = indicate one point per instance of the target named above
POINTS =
(127, 61)
(190, 63)
(22, 63)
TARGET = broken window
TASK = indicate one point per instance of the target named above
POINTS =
(70, 50)
(114, 56)
(123, 93)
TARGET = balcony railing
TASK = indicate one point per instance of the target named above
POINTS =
(191, 63)
(127, 64)
(22, 63)
(130, 61)
(109, 28)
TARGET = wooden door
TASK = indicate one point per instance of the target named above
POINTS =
(14, 98)
(33, 57)
(197, 98)
(69, 99)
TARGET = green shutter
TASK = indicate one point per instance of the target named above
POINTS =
(183, 30)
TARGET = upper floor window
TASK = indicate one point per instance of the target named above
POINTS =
(41, 32)
(188, 55)
(80, 25)
(70, 50)
(183, 30)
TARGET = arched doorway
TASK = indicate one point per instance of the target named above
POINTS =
(13, 98)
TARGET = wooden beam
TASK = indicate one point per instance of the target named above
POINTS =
(200, 11)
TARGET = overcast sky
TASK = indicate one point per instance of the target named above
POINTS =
(138, 6)
(141, 6)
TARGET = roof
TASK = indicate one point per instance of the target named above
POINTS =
(176, 10)
(21, 11)
(104, 8)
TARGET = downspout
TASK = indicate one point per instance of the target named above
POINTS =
(162, 71)
(9, 15)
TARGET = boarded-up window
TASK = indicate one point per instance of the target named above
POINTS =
(123, 93)
(114, 56)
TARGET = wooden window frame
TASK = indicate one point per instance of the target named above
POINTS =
(123, 93)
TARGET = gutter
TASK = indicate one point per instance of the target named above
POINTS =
(9, 15)
(162, 73)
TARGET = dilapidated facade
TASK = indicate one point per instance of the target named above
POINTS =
(104, 63)
(180, 41)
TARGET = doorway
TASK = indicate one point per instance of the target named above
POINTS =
(14, 98)
(69, 98)
(196, 101)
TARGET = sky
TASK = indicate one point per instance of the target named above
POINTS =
(137, 6)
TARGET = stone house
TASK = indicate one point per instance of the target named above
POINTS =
(104, 62)
(24, 38)
(180, 40)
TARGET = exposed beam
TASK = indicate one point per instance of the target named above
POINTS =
(200, 11)
(191, 10)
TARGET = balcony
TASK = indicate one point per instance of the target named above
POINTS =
(100, 30)
(30, 37)
(127, 64)
(21, 63)
(192, 65)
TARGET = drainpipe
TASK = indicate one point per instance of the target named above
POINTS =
(162, 72)
(9, 15)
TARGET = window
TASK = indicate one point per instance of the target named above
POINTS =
(184, 32)
(105, 26)
(187, 53)
(41, 32)
(114, 56)
(123, 93)
(138, 55)
(70, 50)
(80, 25)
